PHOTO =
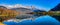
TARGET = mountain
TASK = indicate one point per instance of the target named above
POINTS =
(57, 8)
(27, 10)
(21, 9)
(3, 7)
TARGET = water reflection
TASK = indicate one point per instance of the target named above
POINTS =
(42, 20)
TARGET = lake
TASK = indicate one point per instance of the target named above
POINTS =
(42, 20)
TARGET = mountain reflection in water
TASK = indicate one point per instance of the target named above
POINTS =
(42, 20)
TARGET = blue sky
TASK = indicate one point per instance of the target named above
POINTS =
(47, 4)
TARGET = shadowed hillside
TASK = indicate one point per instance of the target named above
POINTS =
(56, 11)
(57, 8)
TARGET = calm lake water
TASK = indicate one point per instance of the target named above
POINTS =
(42, 20)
